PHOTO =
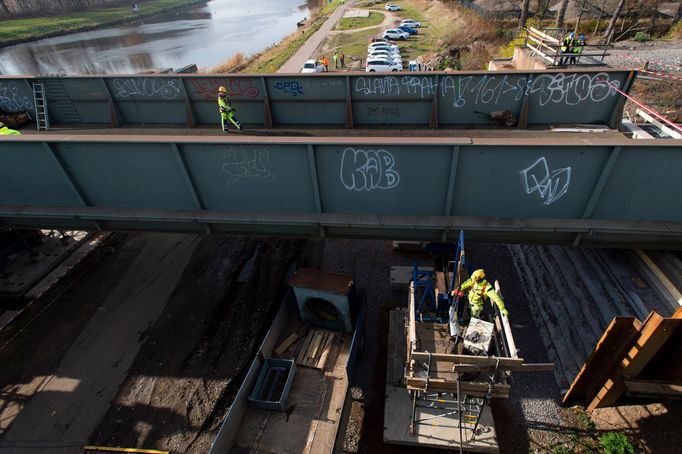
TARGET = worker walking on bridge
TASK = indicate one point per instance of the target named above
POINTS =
(479, 288)
(5, 131)
(226, 110)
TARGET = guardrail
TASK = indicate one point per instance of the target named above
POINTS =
(548, 47)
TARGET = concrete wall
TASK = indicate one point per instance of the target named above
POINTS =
(523, 61)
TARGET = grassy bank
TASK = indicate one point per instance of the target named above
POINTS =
(270, 60)
(348, 23)
(22, 30)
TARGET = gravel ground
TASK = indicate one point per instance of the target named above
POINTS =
(661, 54)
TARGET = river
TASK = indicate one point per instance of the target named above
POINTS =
(206, 34)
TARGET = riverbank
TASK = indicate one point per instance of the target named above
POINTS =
(272, 58)
(17, 31)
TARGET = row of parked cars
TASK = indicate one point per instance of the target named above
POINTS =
(382, 54)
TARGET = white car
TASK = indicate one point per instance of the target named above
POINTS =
(382, 65)
(393, 55)
(389, 58)
(394, 50)
(312, 66)
(410, 23)
(382, 45)
(394, 33)
(390, 7)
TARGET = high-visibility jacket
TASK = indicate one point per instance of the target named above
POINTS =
(477, 293)
(9, 132)
(567, 43)
(224, 106)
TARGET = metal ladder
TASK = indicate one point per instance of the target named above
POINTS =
(40, 102)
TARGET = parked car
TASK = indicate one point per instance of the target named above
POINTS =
(382, 65)
(383, 46)
(410, 23)
(312, 66)
(394, 33)
(385, 55)
(410, 30)
(376, 39)
(390, 7)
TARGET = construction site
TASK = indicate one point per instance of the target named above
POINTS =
(423, 262)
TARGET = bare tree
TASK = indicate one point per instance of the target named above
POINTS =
(562, 12)
(614, 18)
(524, 13)
(678, 15)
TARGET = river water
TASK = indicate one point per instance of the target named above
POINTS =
(206, 35)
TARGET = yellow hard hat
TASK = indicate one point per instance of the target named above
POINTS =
(222, 90)
(478, 275)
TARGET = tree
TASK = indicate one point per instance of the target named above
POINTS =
(561, 13)
(524, 13)
(678, 15)
(614, 19)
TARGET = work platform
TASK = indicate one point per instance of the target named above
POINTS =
(437, 423)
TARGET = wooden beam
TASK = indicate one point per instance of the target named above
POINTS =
(465, 387)
(604, 359)
(535, 367)
(653, 335)
(653, 388)
(675, 293)
(469, 359)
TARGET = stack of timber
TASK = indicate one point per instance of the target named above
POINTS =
(316, 348)
(640, 359)
(574, 294)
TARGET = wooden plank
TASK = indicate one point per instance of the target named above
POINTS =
(653, 335)
(606, 356)
(468, 359)
(284, 346)
(653, 388)
(535, 367)
(300, 357)
(674, 293)
(465, 387)
(326, 350)
(546, 37)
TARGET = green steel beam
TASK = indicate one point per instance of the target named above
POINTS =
(593, 191)
(351, 100)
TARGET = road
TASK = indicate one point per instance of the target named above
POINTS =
(295, 62)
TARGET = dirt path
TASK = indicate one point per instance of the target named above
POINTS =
(187, 373)
(69, 403)
(295, 62)
(389, 20)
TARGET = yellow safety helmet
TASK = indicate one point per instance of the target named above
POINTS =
(478, 275)
(222, 90)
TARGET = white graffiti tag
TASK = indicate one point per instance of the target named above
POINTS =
(368, 170)
(147, 87)
(551, 187)
(572, 89)
(240, 163)
(12, 98)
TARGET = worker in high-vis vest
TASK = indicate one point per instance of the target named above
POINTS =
(4, 130)
(567, 47)
(226, 110)
(479, 288)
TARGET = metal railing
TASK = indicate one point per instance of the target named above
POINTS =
(546, 44)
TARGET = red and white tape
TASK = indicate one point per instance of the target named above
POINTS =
(677, 127)
(665, 75)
